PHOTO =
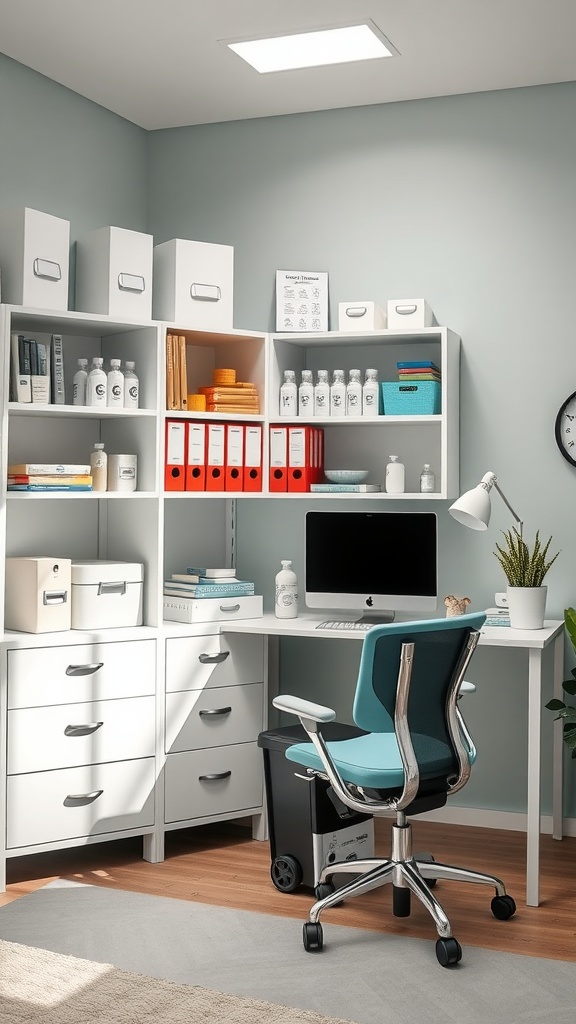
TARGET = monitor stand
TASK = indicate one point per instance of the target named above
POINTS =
(376, 618)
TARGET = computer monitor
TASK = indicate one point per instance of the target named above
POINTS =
(375, 563)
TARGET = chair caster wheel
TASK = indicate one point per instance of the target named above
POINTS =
(503, 907)
(448, 952)
(324, 889)
(312, 936)
(286, 873)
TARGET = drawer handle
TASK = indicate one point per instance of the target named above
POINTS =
(214, 711)
(84, 670)
(85, 798)
(215, 777)
(116, 587)
(213, 659)
(82, 730)
(230, 608)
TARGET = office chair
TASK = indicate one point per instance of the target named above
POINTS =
(416, 752)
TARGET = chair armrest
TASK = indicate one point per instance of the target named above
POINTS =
(304, 708)
(466, 687)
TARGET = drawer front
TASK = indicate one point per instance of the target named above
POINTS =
(214, 716)
(195, 662)
(236, 783)
(66, 735)
(47, 807)
(38, 677)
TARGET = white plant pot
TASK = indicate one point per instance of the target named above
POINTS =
(527, 606)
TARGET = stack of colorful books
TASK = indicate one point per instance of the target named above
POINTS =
(43, 476)
(418, 369)
(199, 584)
(228, 395)
(497, 617)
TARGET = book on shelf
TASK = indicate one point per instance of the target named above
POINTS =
(48, 468)
(344, 488)
(58, 393)
(183, 375)
(214, 573)
(410, 364)
(82, 480)
(169, 373)
(185, 577)
(424, 375)
(40, 372)
(21, 386)
(197, 591)
(497, 617)
(49, 487)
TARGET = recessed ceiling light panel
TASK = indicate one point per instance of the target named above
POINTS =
(314, 49)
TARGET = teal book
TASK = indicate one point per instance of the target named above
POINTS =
(198, 591)
(344, 488)
(49, 487)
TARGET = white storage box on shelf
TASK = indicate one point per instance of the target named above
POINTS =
(34, 257)
(194, 284)
(38, 596)
(410, 313)
(360, 316)
(219, 609)
(114, 273)
(106, 594)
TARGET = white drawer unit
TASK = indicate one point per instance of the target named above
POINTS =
(193, 663)
(68, 735)
(38, 677)
(213, 716)
(48, 807)
(216, 781)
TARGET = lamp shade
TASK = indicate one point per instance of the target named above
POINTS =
(473, 508)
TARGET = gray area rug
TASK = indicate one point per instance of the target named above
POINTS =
(362, 976)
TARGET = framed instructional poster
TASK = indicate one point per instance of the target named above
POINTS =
(301, 300)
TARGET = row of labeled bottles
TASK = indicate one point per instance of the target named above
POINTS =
(119, 388)
(338, 398)
(396, 476)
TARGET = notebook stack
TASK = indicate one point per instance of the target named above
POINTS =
(418, 369)
(201, 584)
(497, 617)
(49, 477)
(226, 394)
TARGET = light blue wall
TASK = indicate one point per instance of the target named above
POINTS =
(469, 201)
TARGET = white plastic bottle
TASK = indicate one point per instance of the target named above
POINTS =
(322, 394)
(427, 480)
(394, 476)
(289, 395)
(286, 600)
(96, 383)
(115, 385)
(338, 394)
(80, 378)
(131, 386)
(99, 468)
(370, 394)
(306, 395)
(354, 394)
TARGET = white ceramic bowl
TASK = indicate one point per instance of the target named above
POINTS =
(346, 476)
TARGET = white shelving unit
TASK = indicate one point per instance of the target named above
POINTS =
(151, 674)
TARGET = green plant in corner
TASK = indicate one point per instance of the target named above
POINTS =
(567, 712)
(524, 567)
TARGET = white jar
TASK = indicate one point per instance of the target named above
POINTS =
(286, 599)
(394, 476)
(354, 394)
(79, 383)
(122, 472)
(99, 468)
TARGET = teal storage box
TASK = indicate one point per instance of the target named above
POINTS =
(411, 398)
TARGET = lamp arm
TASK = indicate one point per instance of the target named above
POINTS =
(508, 505)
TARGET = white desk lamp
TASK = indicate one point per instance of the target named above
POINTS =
(473, 508)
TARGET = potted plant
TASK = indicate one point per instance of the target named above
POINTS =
(525, 569)
(567, 712)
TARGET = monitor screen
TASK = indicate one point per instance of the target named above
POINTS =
(375, 563)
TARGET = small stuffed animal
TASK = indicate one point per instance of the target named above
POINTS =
(455, 606)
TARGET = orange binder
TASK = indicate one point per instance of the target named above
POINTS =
(252, 475)
(196, 457)
(215, 456)
(278, 473)
(233, 475)
(300, 454)
(175, 457)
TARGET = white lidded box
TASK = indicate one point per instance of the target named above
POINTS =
(360, 316)
(114, 273)
(218, 609)
(194, 284)
(106, 594)
(410, 313)
(38, 594)
(35, 258)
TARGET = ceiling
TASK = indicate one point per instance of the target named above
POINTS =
(164, 63)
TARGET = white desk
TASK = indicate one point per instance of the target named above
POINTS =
(534, 642)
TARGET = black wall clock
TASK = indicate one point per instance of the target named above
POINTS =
(565, 429)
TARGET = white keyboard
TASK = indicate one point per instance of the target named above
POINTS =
(362, 626)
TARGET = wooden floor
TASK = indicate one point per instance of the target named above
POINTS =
(221, 864)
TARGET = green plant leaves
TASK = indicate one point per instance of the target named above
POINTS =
(567, 712)
(525, 568)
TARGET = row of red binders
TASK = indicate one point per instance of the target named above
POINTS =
(212, 456)
(203, 456)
